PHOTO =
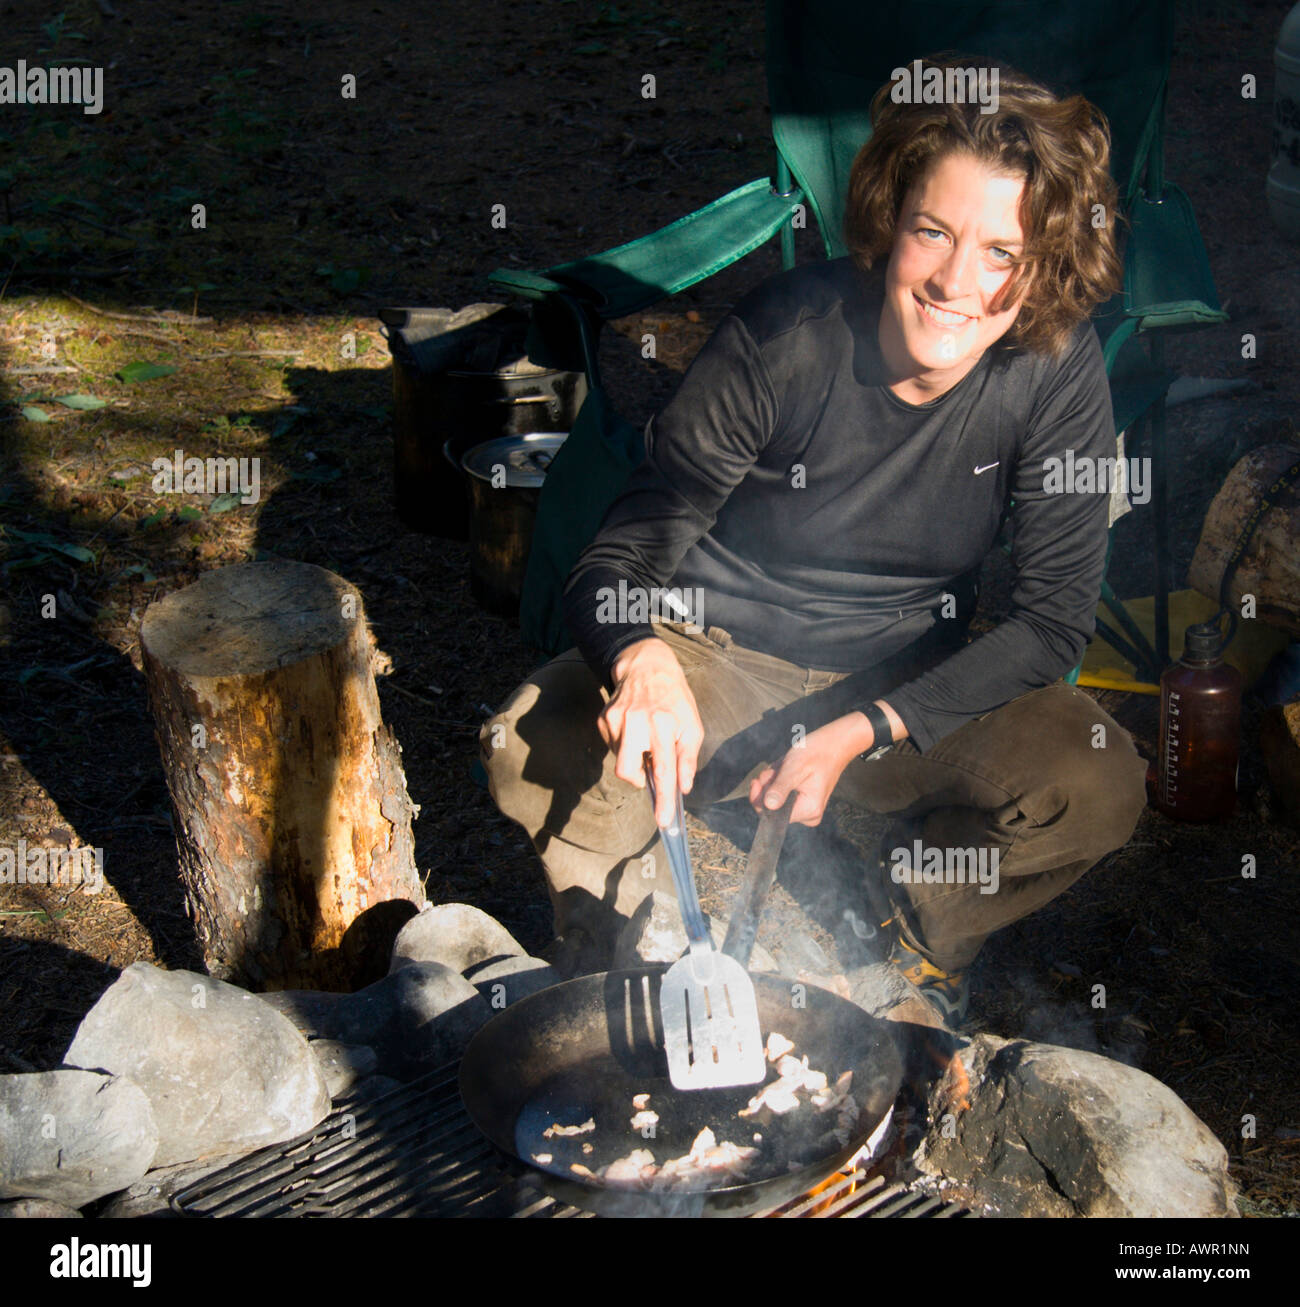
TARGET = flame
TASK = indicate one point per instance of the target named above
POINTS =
(836, 1177)
(832, 1179)
(959, 1092)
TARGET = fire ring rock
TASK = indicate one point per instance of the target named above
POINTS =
(1055, 1131)
(342, 1065)
(39, 1208)
(455, 934)
(507, 980)
(72, 1136)
(223, 1072)
(416, 1018)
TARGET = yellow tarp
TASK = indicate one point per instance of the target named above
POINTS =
(1250, 651)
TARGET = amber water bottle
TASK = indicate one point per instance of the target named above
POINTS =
(1200, 726)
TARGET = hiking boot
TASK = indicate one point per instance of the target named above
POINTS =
(946, 991)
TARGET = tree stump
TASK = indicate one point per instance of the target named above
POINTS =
(1279, 743)
(1270, 567)
(291, 810)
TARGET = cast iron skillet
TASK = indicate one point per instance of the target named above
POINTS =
(583, 1049)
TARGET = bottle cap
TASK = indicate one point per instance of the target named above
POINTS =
(1203, 642)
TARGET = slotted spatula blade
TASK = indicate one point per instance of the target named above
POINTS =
(710, 1017)
(706, 1000)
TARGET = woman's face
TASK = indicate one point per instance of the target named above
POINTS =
(949, 261)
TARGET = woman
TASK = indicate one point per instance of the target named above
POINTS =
(826, 482)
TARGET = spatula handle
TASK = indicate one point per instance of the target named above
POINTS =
(679, 860)
(760, 874)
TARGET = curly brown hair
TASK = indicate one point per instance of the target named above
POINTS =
(1061, 147)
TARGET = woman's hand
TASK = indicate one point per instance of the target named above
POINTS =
(653, 711)
(813, 768)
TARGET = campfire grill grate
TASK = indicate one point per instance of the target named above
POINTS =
(415, 1152)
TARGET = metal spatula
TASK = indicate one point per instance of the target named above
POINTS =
(706, 1001)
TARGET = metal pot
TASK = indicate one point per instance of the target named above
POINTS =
(505, 478)
(461, 378)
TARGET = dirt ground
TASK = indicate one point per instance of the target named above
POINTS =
(319, 210)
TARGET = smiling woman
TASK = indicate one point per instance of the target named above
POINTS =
(958, 235)
(827, 481)
(1062, 217)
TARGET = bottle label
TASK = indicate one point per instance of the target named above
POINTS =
(1169, 755)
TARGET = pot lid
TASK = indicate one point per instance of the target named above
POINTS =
(525, 458)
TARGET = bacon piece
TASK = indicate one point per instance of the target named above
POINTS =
(638, 1167)
(779, 1097)
(556, 1130)
(778, 1046)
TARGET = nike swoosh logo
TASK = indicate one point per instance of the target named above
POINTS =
(986, 467)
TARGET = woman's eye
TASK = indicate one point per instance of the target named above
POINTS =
(931, 231)
(1001, 255)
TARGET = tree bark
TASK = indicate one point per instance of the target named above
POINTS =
(1270, 567)
(1279, 743)
(290, 802)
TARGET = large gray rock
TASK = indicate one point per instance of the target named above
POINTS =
(43, 1209)
(223, 1072)
(315, 1013)
(654, 933)
(455, 934)
(420, 1016)
(1059, 1132)
(343, 1065)
(372, 1087)
(507, 980)
(72, 1136)
(151, 1195)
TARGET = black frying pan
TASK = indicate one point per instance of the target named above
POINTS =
(583, 1049)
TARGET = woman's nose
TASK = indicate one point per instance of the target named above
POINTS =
(955, 276)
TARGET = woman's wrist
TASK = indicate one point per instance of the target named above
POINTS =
(860, 737)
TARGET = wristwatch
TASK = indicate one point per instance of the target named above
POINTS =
(882, 732)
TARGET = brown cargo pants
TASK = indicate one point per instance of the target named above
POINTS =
(1048, 781)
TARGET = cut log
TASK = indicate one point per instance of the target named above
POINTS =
(1270, 567)
(291, 810)
(1279, 743)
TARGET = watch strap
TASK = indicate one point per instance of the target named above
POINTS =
(882, 732)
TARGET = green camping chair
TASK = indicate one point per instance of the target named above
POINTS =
(825, 60)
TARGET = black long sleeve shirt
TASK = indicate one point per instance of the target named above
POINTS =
(828, 522)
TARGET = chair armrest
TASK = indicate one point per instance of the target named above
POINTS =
(631, 277)
(1167, 279)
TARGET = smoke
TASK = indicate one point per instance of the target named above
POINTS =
(1018, 1004)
